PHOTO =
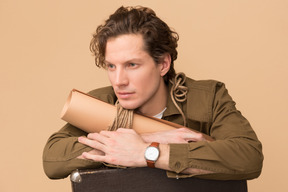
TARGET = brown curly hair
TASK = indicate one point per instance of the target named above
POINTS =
(159, 39)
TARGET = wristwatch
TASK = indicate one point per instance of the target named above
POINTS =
(152, 154)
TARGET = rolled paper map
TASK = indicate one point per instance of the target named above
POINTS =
(93, 115)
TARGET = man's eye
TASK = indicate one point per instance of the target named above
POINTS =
(110, 66)
(132, 64)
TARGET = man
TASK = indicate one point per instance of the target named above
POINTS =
(138, 51)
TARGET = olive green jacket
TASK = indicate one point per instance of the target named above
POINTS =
(235, 154)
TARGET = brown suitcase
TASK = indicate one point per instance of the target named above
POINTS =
(146, 179)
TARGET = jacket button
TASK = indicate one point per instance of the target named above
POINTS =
(177, 165)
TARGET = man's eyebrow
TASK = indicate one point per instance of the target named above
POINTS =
(128, 61)
(134, 59)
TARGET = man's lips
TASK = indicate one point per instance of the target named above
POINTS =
(124, 95)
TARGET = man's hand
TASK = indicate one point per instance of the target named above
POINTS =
(122, 147)
(180, 135)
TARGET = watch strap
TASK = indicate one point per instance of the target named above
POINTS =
(154, 144)
(150, 163)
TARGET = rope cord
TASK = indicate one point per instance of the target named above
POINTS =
(179, 92)
(123, 118)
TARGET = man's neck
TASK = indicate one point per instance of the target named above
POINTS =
(157, 103)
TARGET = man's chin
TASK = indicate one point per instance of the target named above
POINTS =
(128, 105)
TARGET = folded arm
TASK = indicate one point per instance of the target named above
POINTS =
(126, 148)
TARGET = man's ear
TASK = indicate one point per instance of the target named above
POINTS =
(165, 64)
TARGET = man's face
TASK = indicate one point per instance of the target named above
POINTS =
(136, 78)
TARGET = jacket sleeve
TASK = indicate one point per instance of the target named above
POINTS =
(62, 148)
(235, 154)
(61, 152)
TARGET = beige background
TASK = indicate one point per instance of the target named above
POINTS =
(44, 54)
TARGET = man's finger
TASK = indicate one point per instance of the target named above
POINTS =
(92, 143)
(107, 134)
(97, 137)
(125, 130)
(92, 135)
(98, 158)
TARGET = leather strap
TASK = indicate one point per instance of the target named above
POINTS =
(154, 144)
(150, 163)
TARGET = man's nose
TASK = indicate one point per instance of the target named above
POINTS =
(121, 78)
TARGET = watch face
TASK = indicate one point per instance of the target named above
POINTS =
(152, 153)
